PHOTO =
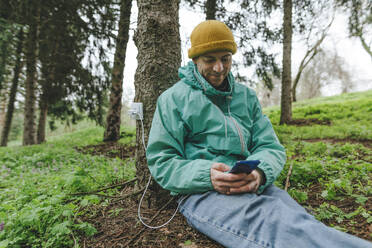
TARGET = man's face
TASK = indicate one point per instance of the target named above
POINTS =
(214, 66)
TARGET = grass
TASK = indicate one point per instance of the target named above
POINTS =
(331, 164)
(350, 115)
(37, 183)
(37, 207)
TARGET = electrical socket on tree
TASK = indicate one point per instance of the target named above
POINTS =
(136, 111)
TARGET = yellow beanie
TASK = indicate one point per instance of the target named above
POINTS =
(211, 36)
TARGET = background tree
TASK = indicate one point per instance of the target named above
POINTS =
(73, 34)
(360, 21)
(314, 36)
(210, 9)
(6, 40)
(78, 28)
(113, 120)
(286, 97)
(29, 132)
(327, 69)
(159, 57)
(13, 90)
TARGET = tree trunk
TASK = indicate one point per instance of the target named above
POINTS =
(159, 57)
(42, 119)
(4, 58)
(13, 91)
(210, 9)
(286, 101)
(3, 101)
(31, 54)
(112, 132)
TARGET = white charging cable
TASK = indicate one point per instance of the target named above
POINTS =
(147, 185)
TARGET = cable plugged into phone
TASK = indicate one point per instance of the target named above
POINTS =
(136, 111)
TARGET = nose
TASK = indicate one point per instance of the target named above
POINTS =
(218, 66)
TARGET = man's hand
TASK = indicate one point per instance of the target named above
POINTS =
(228, 183)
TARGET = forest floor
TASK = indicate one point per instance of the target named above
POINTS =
(118, 225)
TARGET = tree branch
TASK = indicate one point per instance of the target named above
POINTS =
(310, 54)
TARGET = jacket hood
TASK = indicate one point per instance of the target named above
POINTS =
(190, 75)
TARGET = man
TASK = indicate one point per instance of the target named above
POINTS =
(201, 127)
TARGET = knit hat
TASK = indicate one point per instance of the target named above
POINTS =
(211, 36)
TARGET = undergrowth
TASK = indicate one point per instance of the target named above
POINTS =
(37, 183)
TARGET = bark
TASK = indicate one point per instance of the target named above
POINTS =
(29, 134)
(113, 120)
(13, 91)
(159, 57)
(42, 119)
(286, 98)
(3, 101)
(210, 9)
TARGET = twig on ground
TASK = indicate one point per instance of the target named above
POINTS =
(287, 183)
(143, 228)
(104, 195)
(75, 242)
(128, 195)
(102, 189)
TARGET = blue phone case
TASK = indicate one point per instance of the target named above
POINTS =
(244, 166)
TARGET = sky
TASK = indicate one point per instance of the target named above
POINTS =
(358, 61)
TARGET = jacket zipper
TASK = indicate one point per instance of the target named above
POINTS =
(242, 143)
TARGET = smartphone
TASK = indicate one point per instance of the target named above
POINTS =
(244, 166)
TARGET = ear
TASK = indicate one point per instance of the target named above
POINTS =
(195, 60)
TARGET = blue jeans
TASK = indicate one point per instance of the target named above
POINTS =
(272, 219)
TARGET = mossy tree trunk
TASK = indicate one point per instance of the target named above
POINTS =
(159, 57)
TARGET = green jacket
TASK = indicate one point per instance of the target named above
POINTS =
(195, 125)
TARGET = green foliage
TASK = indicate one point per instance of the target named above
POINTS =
(299, 196)
(350, 116)
(332, 160)
(36, 187)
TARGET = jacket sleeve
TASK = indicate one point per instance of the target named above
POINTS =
(265, 146)
(166, 153)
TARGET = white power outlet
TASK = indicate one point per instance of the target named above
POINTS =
(136, 111)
